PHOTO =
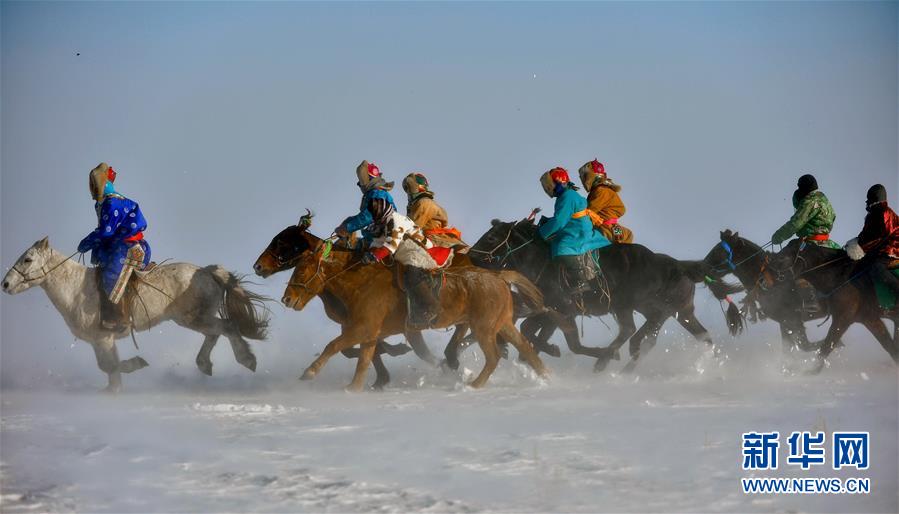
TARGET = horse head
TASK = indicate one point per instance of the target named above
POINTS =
(493, 248)
(285, 248)
(30, 269)
(309, 278)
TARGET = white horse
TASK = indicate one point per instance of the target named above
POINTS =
(210, 300)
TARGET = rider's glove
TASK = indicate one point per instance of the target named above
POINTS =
(854, 250)
(85, 245)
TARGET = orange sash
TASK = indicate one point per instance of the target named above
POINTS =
(445, 231)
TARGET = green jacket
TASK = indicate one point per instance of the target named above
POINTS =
(814, 215)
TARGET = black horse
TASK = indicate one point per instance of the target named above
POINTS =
(781, 301)
(847, 289)
(633, 278)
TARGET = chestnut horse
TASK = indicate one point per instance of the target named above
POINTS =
(282, 254)
(376, 307)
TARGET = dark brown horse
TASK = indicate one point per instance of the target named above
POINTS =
(633, 279)
(847, 289)
(376, 307)
(766, 297)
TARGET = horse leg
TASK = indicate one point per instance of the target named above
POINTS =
(108, 361)
(788, 338)
(383, 376)
(568, 324)
(341, 342)
(454, 346)
(204, 362)
(879, 330)
(543, 323)
(133, 364)
(393, 350)
(650, 331)
(626, 328)
(837, 327)
(525, 351)
(365, 356)
(487, 342)
(213, 327)
(421, 348)
(687, 319)
(242, 352)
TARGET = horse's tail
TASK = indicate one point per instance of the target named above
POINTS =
(700, 271)
(527, 291)
(244, 308)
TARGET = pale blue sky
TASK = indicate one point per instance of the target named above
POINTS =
(225, 120)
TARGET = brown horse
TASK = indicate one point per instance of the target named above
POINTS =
(282, 254)
(376, 307)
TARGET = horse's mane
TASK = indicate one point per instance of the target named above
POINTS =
(730, 234)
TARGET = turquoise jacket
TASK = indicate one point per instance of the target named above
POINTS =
(568, 235)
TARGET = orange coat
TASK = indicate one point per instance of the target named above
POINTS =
(432, 218)
(604, 201)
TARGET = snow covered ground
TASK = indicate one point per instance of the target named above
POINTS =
(665, 439)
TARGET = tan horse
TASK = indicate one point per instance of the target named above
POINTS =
(376, 307)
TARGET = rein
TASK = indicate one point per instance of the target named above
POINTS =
(729, 261)
(326, 252)
(505, 242)
(45, 273)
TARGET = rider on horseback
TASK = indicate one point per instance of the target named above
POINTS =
(374, 188)
(603, 202)
(570, 230)
(814, 216)
(428, 214)
(388, 232)
(879, 238)
(117, 245)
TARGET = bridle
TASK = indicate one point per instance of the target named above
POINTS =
(490, 257)
(325, 247)
(44, 274)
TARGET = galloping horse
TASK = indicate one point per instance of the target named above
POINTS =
(778, 300)
(635, 279)
(210, 300)
(376, 307)
(282, 254)
(847, 289)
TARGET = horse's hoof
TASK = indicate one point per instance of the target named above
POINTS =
(353, 388)
(395, 350)
(140, 363)
(601, 364)
(205, 368)
(553, 350)
(819, 366)
(308, 375)
(377, 386)
(249, 363)
(629, 367)
(449, 365)
(111, 389)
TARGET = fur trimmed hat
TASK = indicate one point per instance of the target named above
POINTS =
(416, 186)
(98, 178)
(593, 173)
(369, 176)
(551, 178)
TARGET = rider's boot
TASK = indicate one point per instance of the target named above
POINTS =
(423, 304)
(112, 315)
